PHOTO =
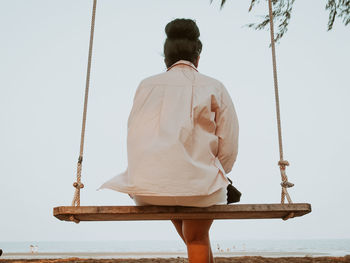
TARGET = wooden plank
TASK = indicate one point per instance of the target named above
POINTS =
(237, 211)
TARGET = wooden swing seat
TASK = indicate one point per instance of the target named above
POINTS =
(129, 213)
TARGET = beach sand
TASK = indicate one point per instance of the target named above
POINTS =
(345, 259)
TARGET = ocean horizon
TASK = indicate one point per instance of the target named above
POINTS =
(174, 248)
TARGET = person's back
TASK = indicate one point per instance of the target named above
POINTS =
(182, 139)
(182, 135)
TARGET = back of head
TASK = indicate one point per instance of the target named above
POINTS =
(182, 41)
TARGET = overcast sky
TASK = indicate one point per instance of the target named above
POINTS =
(43, 55)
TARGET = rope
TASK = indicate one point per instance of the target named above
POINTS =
(282, 163)
(78, 184)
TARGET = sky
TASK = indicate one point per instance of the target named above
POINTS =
(43, 56)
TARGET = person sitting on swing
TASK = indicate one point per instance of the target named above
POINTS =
(182, 139)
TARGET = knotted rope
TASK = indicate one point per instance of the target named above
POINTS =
(282, 163)
(78, 184)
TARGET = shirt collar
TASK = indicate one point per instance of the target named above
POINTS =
(183, 62)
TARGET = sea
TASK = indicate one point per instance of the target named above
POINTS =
(172, 248)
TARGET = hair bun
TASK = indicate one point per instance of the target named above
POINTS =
(182, 28)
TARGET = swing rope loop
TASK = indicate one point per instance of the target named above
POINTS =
(282, 163)
(78, 184)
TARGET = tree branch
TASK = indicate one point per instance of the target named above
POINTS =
(282, 10)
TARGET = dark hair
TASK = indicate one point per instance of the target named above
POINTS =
(182, 41)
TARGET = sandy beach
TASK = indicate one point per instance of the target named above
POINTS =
(184, 260)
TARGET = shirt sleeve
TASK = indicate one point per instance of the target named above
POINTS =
(227, 131)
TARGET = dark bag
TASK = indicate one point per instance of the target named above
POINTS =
(233, 195)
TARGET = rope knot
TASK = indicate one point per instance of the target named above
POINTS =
(78, 185)
(284, 183)
(290, 215)
(283, 163)
(287, 184)
(73, 219)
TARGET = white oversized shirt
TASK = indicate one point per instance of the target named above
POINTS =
(182, 135)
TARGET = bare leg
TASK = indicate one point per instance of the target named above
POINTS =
(178, 225)
(196, 235)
